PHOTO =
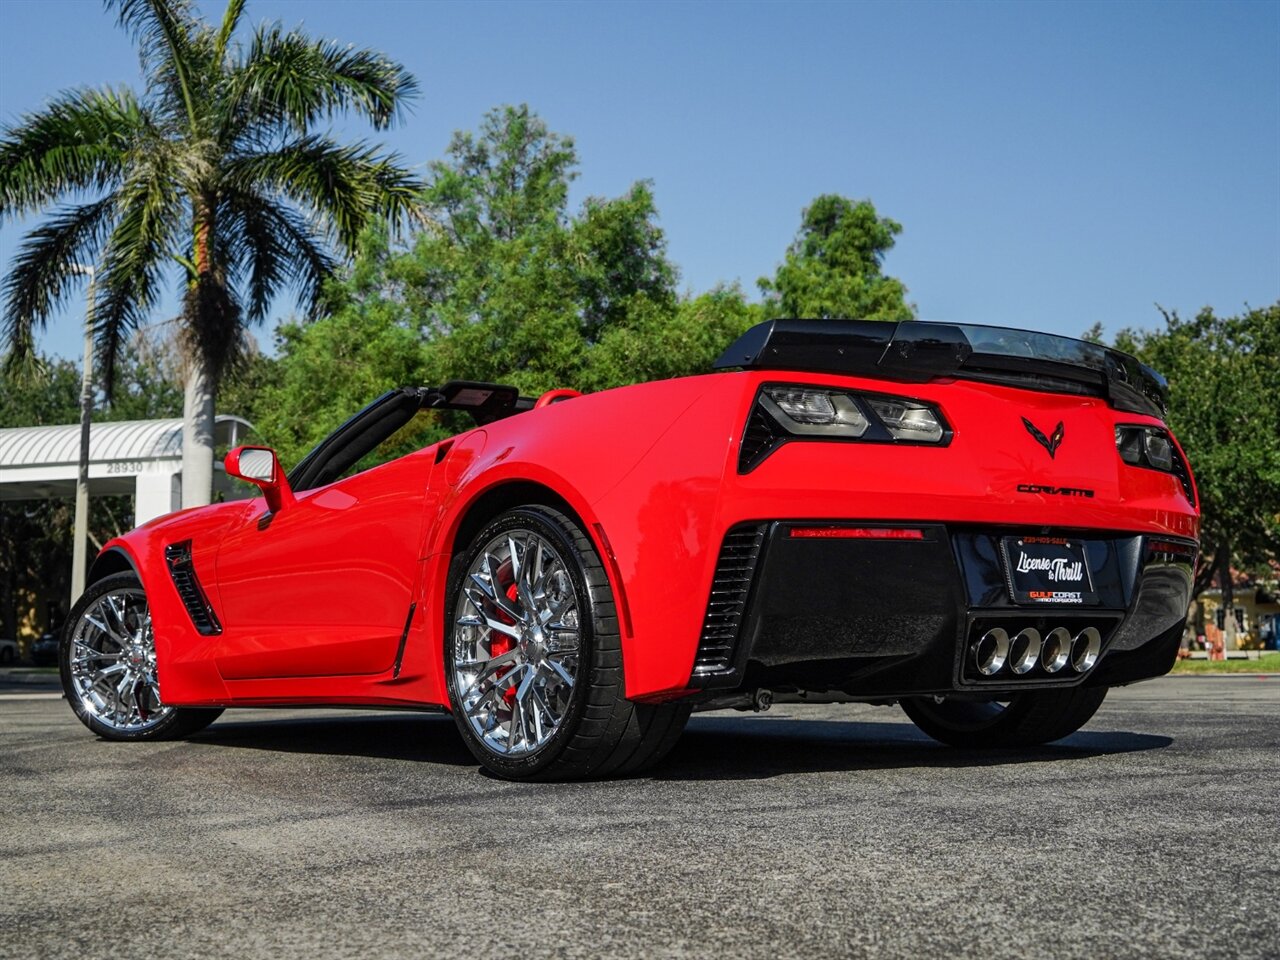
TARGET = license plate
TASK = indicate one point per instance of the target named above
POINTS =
(1048, 570)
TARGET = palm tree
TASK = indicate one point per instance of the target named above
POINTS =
(215, 172)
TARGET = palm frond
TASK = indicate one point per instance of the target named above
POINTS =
(165, 31)
(343, 187)
(148, 209)
(288, 78)
(40, 275)
(230, 19)
(80, 141)
(273, 247)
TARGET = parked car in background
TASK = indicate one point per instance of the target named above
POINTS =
(8, 652)
(44, 652)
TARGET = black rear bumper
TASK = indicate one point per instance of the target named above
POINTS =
(872, 617)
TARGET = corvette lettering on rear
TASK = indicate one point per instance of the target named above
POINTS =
(1054, 491)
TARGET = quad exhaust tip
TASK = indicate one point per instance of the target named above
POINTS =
(1027, 649)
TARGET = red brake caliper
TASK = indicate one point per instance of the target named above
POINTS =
(500, 643)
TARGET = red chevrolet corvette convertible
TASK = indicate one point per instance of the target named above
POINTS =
(989, 526)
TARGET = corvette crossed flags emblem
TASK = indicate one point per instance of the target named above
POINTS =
(1050, 443)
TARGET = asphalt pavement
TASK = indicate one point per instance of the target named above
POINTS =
(815, 831)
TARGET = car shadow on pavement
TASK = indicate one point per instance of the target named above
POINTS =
(749, 748)
(382, 736)
(714, 747)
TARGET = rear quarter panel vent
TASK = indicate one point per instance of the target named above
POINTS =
(730, 591)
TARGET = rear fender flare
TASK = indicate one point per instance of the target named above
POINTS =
(477, 503)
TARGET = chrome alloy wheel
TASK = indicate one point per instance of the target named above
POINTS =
(516, 643)
(113, 663)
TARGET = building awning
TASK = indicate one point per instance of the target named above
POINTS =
(38, 462)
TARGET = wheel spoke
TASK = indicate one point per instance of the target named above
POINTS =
(520, 574)
(107, 632)
(540, 704)
(121, 630)
(94, 658)
(538, 578)
(101, 675)
(489, 669)
(565, 676)
(493, 624)
(475, 707)
(563, 638)
(523, 690)
(492, 594)
(515, 559)
(527, 705)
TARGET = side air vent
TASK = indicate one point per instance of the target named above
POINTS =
(730, 589)
(1183, 474)
(183, 572)
(758, 440)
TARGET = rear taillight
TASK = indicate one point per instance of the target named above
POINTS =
(1152, 448)
(784, 412)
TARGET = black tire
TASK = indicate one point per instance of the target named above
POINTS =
(178, 723)
(601, 733)
(1028, 719)
(6, 656)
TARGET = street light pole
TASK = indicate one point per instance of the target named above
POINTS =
(80, 546)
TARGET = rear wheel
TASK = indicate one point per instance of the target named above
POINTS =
(533, 657)
(1028, 719)
(107, 656)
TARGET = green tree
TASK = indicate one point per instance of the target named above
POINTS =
(215, 170)
(834, 267)
(504, 283)
(656, 344)
(514, 287)
(1224, 376)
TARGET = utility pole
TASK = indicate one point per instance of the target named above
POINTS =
(80, 543)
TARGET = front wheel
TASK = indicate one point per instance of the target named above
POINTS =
(533, 657)
(107, 656)
(1025, 720)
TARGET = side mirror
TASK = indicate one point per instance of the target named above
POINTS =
(259, 466)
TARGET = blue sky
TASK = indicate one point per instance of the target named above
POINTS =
(1052, 164)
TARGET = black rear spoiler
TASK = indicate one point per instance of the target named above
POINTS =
(914, 351)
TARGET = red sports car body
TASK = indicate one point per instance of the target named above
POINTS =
(989, 526)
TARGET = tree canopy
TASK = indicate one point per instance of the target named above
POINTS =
(833, 268)
(216, 171)
(505, 283)
(1224, 375)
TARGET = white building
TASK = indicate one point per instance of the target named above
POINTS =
(140, 458)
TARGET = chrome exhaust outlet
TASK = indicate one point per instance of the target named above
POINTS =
(1024, 651)
(1085, 649)
(1056, 650)
(991, 651)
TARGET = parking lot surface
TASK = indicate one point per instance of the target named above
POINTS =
(816, 831)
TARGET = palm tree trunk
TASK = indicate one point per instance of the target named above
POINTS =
(197, 434)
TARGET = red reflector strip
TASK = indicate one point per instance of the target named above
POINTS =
(857, 533)
(1165, 546)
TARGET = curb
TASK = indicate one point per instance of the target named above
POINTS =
(1233, 675)
(28, 677)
